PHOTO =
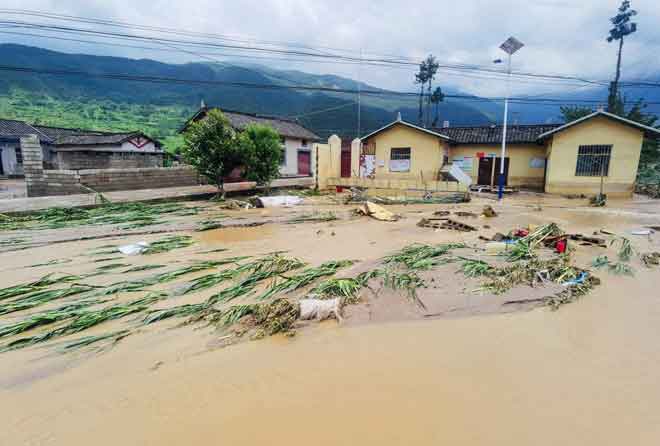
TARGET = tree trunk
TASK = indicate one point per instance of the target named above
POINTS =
(614, 86)
(220, 184)
(427, 122)
(420, 116)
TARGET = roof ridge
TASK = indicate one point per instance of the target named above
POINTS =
(254, 115)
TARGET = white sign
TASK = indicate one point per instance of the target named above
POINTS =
(399, 165)
(537, 163)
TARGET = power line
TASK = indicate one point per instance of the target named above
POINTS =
(164, 80)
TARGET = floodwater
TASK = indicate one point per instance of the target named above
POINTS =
(584, 375)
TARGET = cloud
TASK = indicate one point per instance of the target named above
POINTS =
(561, 37)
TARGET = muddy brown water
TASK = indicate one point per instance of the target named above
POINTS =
(583, 375)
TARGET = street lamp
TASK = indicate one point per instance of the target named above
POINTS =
(510, 46)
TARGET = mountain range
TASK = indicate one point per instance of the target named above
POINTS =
(161, 106)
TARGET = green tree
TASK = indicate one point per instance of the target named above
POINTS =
(622, 27)
(263, 153)
(573, 113)
(436, 98)
(421, 77)
(212, 147)
(432, 67)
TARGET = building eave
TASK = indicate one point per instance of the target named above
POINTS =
(648, 131)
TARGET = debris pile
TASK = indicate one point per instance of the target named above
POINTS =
(375, 211)
(650, 190)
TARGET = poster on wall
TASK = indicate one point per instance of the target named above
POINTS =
(399, 165)
(367, 166)
(537, 163)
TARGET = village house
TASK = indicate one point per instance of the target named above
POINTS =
(297, 141)
(75, 149)
(561, 159)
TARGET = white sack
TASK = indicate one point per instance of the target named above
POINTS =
(320, 309)
(279, 201)
(134, 248)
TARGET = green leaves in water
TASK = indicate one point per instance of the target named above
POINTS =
(422, 257)
(130, 215)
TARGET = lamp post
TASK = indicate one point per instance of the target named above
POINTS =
(510, 46)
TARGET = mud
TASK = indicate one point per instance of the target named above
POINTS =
(471, 369)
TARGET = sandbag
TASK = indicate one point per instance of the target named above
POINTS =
(278, 201)
(320, 309)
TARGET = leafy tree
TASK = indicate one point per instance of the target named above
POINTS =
(432, 66)
(421, 77)
(263, 153)
(573, 113)
(622, 28)
(212, 147)
(436, 98)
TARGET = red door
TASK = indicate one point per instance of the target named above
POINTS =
(304, 163)
(345, 164)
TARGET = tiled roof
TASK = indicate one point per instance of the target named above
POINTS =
(239, 120)
(58, 136)
(12, 129)
(516, 134)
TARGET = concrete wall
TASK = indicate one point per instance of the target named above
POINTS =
(521, 173)
(426, 153)
(46, 182)
(87, 159)
(563, 150)
(8, 158)
(328, 161)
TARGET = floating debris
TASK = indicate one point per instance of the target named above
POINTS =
(316, 217)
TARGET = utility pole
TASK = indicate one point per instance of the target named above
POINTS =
(510, 46)
(359, 98)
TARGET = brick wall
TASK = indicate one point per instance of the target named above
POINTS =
(107, 160)
(41, 182)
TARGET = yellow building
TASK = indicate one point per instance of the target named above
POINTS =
(562, 159)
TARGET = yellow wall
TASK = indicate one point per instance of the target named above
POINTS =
(562, 154)
(426, 153)
(520, 155)
(328, 161)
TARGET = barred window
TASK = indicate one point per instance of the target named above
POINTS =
(400, 159)
(593, 161)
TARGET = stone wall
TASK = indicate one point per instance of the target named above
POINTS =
(107, 160)
(41, 182)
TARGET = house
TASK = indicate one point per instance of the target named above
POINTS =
(560, 159)
(297, 159)
(76, 149)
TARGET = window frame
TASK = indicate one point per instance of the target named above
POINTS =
(591, 158)
(392, 158)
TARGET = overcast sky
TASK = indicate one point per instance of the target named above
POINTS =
(561, 37)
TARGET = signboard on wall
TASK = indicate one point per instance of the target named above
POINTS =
(400, 165)
(537, 163)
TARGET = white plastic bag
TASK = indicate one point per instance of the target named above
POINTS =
(134, 248)
(320, 309)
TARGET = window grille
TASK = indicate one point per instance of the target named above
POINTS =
(593, 161)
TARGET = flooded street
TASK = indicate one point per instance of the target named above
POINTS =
(583, 375)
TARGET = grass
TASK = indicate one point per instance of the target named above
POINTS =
(525, 247)
(84, 320)
(304, 278)
(139, 268)
(41, 297)
(475, 268)
(130, 215)
(50, 263)
(626, 250)
(622, 269)
(39, 284)
(601, 262)
(169, 244)
(422, 257)
(345, 288)
(86, 341)
(315, 217)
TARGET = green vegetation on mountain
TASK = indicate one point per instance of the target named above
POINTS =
(160, 109)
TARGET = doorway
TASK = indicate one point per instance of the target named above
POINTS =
(489, 172)
(304, 163)
(345, 163)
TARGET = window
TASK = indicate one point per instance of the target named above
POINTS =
(19, 155)
(400, 159)
(283, 157)
(304, 143)
(593, 161)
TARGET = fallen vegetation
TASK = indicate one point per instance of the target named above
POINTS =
(129, 215)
